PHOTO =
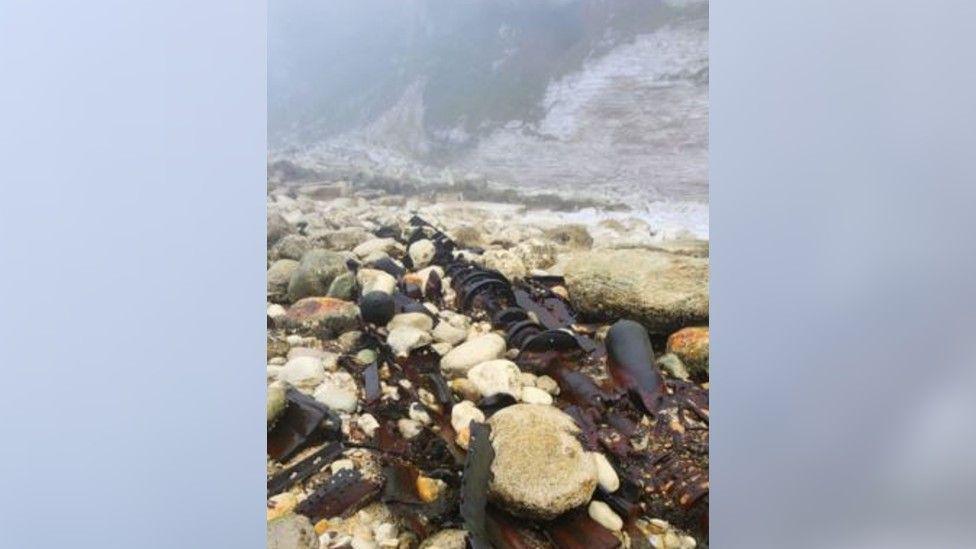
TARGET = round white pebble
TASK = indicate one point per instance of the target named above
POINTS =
(603, 514)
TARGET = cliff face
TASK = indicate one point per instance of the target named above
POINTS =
(592, 94)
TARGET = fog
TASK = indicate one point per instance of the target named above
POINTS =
(606, 98)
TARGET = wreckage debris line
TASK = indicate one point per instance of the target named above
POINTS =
(671, 474)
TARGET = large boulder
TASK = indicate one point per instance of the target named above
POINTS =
(315, 273)
(321, 316)
(662, 291)
(540, 469)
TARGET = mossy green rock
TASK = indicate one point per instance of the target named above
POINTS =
(343, 287)
(315, 273)
(276, 402)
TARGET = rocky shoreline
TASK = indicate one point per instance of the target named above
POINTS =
(444, 373)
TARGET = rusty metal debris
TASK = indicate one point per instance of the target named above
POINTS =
(304, 422)
(344, 493)
(474, 490)
(304, 468)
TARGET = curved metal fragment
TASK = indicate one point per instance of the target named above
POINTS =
(631, 362)
(474, 489)
(342, 494)
(301, 424)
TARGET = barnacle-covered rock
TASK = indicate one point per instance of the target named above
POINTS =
(540, 469)
(292, 532)
(450, 538)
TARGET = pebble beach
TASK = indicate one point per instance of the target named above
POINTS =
(445, 373)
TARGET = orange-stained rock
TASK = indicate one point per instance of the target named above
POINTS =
(323, 316)
(427, 488)
(691, 346)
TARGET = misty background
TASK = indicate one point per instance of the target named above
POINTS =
(603, 98)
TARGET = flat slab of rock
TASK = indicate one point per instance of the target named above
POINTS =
(662, 291)
(540, 469)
